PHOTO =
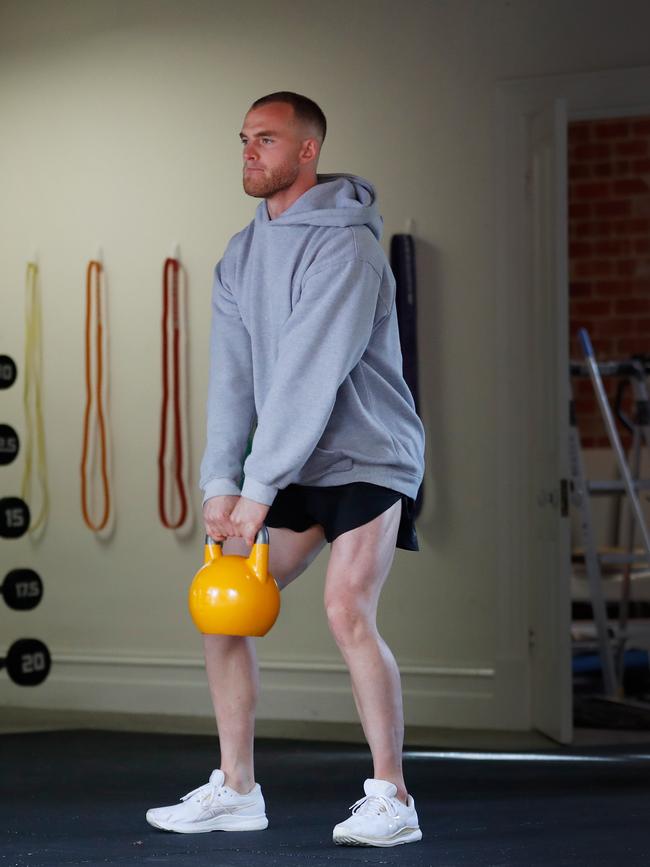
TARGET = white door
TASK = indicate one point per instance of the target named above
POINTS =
(548, 426)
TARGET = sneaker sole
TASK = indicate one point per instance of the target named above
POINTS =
(406, 835)
(220, 823)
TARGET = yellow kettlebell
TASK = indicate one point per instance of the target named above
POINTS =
(232, 594)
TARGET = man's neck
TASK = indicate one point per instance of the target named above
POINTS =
(279, 202)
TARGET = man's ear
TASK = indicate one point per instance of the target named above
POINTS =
(309, 150)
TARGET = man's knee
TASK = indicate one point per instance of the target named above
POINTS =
(350, 618)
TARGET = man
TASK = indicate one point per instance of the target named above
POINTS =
(305, 345)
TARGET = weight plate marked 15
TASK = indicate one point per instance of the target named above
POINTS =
(14, 517)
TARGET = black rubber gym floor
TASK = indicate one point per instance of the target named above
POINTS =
(79, 797)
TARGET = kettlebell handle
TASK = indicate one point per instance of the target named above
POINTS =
(262, 538)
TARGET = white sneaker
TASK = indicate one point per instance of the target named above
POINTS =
(212, 807)
(379, 819)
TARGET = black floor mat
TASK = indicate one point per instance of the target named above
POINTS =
(79, 798)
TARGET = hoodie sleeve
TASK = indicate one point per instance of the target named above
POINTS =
(231, 404)
(320, 343)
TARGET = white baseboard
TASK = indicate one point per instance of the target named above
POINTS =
(305, 690)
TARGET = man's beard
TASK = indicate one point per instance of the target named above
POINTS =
(267, 182)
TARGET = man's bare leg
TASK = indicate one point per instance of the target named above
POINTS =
(359, 564)
(231, 666)
(231, 661)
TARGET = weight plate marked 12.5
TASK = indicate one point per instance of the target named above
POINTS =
(9, 444)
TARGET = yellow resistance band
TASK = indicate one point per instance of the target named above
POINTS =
(32, 399)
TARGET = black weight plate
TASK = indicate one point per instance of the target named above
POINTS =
(28, 662)
(22, 589)
(7, 371)
(9, 444)
(14, 517)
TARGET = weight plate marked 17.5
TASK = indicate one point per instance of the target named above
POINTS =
(22, 589)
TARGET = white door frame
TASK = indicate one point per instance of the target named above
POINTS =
(610, 93)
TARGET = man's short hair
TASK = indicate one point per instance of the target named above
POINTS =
(305, 109)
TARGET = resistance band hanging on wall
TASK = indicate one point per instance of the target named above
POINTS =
(173, 461)
(96, 426)
(35, 454)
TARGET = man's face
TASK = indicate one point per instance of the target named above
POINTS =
(272, 143)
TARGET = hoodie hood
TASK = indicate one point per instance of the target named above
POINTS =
(336, 200)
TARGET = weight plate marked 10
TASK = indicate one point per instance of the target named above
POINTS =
(28, 662)
(9, 444)
(14, 517)
(22, 589)
(8, 371)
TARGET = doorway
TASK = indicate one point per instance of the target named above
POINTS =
(609, 296)
(534, 555)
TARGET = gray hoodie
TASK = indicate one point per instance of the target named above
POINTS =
(304, 340)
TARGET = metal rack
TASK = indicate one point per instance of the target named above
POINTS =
(611, 640)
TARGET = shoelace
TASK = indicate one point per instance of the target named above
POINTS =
(206, 793)
(375, 804)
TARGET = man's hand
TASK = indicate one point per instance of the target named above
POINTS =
(216, 516)
(247, 518)
(230, 515)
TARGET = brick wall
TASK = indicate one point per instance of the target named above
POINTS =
(609, 251)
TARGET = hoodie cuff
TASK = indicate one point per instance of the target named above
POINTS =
(259, 492)
(220, 488)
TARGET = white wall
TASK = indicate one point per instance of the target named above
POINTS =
(120, 127)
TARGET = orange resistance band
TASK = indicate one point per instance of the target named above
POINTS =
(171, 288)
(95, 402)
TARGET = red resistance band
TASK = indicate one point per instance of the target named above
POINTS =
(170, 287)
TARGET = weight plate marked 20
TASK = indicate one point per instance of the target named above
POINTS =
(28, 662)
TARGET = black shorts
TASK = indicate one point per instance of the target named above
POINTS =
(340, 508)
